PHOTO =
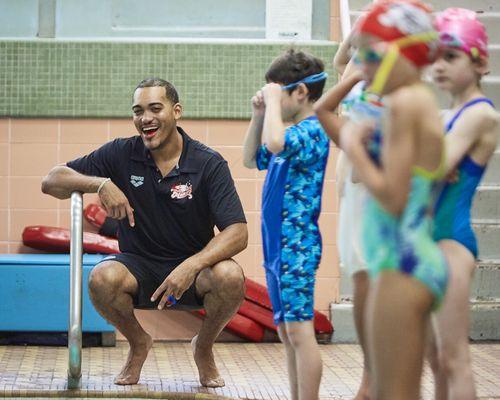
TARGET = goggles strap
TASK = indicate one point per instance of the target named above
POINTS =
(391, 57)
(308, 79)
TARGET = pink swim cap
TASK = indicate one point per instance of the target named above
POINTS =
(459, 27)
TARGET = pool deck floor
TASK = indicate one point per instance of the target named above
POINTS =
(251, 371)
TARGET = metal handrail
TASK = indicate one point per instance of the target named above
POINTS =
(345, 18)
(75, 299)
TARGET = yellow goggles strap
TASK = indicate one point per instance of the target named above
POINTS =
(424, 37)
(384, 70)
(391, 57)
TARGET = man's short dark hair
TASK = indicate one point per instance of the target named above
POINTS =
(170, 91)
(292, 66)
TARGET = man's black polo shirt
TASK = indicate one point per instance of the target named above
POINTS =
(174, 215)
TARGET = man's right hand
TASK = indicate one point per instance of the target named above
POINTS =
(115, 203)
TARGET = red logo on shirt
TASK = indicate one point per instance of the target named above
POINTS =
(180, 191)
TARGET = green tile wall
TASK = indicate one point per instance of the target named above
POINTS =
(71, 79)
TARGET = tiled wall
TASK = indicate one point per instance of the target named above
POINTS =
(68, 79)
(30, 147)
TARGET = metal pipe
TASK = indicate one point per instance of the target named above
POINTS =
(345, 18)
(75, 299)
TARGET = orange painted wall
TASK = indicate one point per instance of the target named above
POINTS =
(335, 31)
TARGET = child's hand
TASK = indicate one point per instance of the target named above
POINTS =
(353, 135)
(258, 105)
(271, 92)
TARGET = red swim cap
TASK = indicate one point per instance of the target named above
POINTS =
(391, 20)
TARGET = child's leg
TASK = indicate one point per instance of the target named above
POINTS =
(364, 386)
(440, 384)
(398, 312)
(291, 362)
(273, 288)
(307, 356)
(361, 286)
(453, 323)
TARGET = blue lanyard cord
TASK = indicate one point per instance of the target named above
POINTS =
(308, 79)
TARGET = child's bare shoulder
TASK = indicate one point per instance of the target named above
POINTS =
(490, 115)
(483, 116)
(416, 99)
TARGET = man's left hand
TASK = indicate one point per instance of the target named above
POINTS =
(179, 280)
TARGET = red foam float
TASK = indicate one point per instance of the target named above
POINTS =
(95, 214)
(257, 313)
(243, 327)
(57, 240)
(258, 294)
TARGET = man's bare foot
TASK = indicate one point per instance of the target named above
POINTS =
(204, 359)
(137, 354)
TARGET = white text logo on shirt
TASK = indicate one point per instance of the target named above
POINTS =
(136, 180)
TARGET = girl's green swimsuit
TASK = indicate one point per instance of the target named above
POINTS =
(405, 244)
(402, 244)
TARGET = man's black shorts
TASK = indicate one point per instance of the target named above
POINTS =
(150, 274)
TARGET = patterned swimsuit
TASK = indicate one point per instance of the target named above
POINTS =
(291, 204)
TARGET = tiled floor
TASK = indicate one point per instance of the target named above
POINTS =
(252, 371)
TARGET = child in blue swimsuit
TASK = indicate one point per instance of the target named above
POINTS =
(295, 159)
(471, 135)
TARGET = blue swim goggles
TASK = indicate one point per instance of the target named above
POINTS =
(308, 79)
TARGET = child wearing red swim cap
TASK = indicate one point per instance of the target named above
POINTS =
(395, 39)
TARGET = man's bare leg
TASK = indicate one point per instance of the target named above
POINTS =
(111, 287)
(222, 288)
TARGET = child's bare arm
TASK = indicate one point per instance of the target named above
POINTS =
(253, 137)
(326, 107)
(273, 131)
(343, 55)
(474, 125)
